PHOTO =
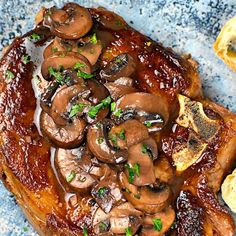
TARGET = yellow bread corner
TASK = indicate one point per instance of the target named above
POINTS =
(224, 39)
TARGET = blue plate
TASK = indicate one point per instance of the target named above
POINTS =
(188, 26)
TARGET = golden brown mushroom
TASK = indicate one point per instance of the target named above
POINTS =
(67, 60)
(71, 22)
(122, 65)
(69, 136)
(74, 168)
(146, 107)
(147, 198)
(165, 219)
(142, 155)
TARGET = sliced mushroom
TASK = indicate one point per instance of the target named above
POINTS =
(122, 65)
(107, 192)
(46, 96)
(163, 170)
(65, 60)
(72, 22)
(150, 199)
(118, 90)
(142, 155)
(128, 133)
(117, 221)
(62, 100)
(125, 216)
(101, 223)
(101, 147)
(73, 166)
(69, 136)
(90, 50)
(166, 217)
(146, 106)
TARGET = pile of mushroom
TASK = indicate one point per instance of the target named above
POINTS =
(104, 129)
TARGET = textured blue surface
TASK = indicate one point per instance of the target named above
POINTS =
(189, 26)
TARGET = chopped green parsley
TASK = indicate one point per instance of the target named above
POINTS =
(25, 59)
(57, 74)
(93, 111)
(76, 108)
(71, 176)
(78, 65)
(148, 124)
(100, 140)
(128, 231)
(9, 75)
(101, 191)
(157, 224)
(35, 37)
(85, 231)
(113, 106)
(93, 38)
(122, 134)
(84, 75)
(135, 170)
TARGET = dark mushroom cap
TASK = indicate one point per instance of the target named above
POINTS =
(90, 50)
(69, 136)
(71, 22)
(121, 66)
(146, 102)
(61, 103)
(100, 147)
(67, 60)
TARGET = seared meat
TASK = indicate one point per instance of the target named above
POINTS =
(27, 156)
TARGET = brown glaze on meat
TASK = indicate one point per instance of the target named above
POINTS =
(26, 158)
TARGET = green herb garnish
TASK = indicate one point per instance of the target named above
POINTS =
(146, 150)
(25, 59)
(78, 65)
(148, 124)
(118, 22)
(58, 76)
(137, 195)
(102, 226)
(54, 49)
(36, 79)
(101, 191)
(85, 231)
(113, 106)
(26, 229)
(93, 38)
(133, 171)
(113, 138)
(136, 169)
(93, 111)
(127, 190)
(118, 112)
(157, 224)
(128, 231)
(100, 140)
(122, 134)
(84, 75)
(35, 37)
(62, 55)
(76, 108)
(9, 75)
(71, 176)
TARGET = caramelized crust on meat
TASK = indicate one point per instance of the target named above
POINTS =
(25, 163)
